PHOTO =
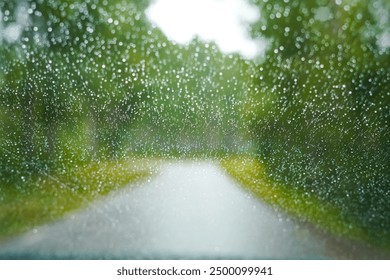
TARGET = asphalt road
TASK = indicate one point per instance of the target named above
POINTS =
(190, 210)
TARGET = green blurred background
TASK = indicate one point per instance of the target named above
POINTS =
(91, 81)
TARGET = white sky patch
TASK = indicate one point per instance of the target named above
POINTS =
(12, 31)
(226, 22)
(384, 41)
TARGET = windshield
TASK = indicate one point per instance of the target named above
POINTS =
(194, 129)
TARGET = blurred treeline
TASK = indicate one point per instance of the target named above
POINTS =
(93, 80)
(319, 107)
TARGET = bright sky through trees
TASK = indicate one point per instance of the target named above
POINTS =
(224, 22)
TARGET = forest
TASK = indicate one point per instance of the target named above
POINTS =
(94, 81)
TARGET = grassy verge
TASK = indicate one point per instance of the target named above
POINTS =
(46, 198)
(252, 174)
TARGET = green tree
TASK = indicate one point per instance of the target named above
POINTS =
(319, 106)
(65, 87)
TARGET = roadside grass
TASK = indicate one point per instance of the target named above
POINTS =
(46, 198)
(252, 174)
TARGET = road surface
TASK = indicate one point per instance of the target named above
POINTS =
(190, 210)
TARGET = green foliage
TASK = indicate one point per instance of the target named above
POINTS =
(67, 95)
(94, 80)
(319, 107)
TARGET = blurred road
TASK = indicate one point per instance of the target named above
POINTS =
(191, 210)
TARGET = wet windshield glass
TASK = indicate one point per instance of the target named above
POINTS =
(281, 108)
